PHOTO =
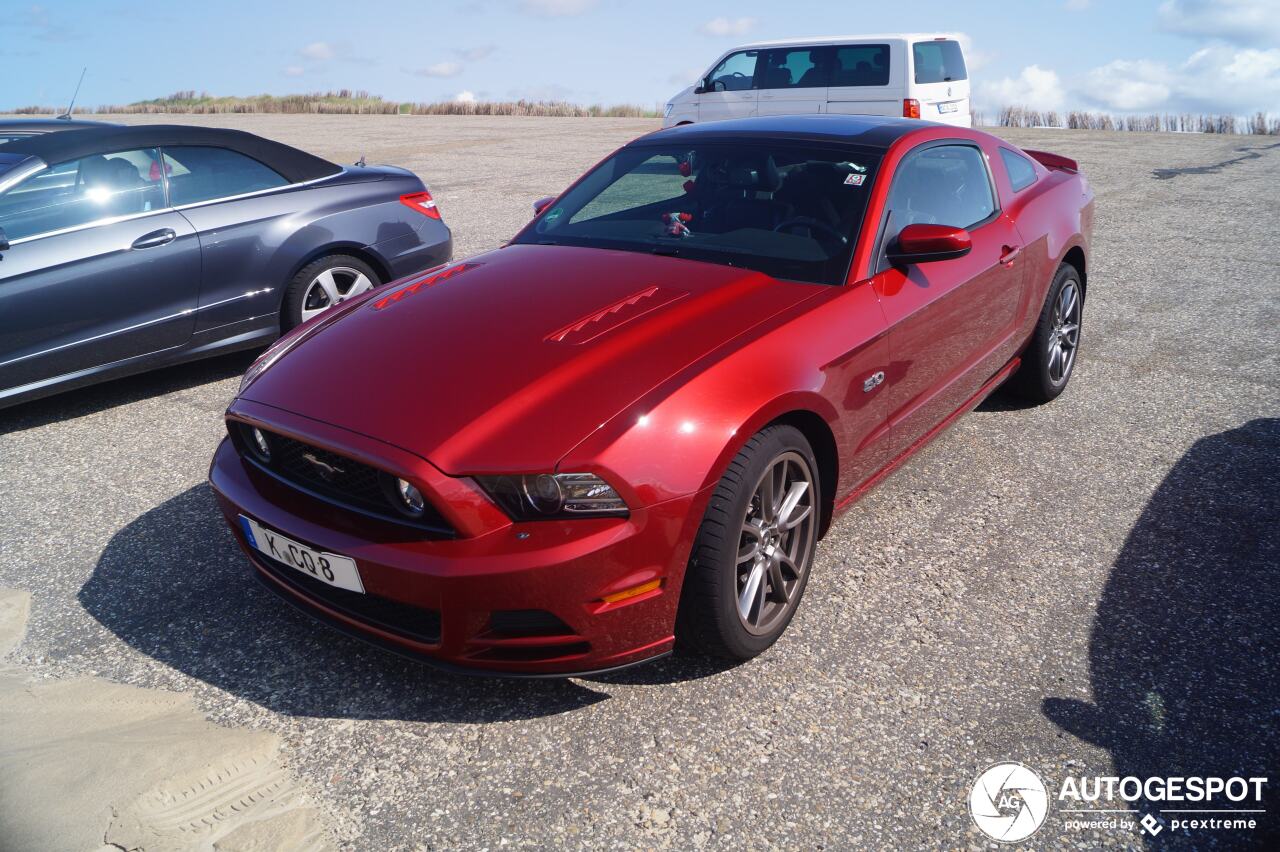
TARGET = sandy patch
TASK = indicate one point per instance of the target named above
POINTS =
(86, 764)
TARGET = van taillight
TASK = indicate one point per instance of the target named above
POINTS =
(425, 204)
(910, 108)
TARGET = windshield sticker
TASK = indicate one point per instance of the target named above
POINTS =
(855, 167)
(854, 180)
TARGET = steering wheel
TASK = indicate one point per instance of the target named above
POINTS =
(813, 225)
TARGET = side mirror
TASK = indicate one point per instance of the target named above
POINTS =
(922, 243)
(541, 204)
(4, 241)
(719, 86)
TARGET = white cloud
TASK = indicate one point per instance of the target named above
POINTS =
(320, 51)
(475, 54)
(1218, 79)
(974, 59)
(1036, 87)
(1238, 21)
(557, 8)
(685, 77)
(723, 26)
(294, 71)
(465, 97)
(448, 68)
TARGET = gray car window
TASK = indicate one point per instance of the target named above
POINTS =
(942, 185)
(199, 173)
(81, 192)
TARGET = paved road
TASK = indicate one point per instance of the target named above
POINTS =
(1088, 587)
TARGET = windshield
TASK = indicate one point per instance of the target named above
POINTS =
(791, 211)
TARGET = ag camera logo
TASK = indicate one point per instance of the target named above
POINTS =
(1008, 802)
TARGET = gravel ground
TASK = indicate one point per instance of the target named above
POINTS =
(1087, 587)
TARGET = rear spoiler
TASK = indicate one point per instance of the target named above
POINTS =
(1053, 161)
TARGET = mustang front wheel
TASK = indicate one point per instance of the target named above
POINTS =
(751, 559)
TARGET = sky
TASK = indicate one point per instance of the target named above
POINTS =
(1115, 55)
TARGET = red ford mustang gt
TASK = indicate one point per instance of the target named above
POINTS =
(634, 422)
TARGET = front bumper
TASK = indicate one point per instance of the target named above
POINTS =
(524, 599)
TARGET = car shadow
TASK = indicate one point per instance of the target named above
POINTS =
(1184, 657)
(109, 394)
(174, 585)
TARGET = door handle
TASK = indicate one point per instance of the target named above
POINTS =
(1008, 254)
(155, 238)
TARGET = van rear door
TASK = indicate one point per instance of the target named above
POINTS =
(866, 79)
(940, 82)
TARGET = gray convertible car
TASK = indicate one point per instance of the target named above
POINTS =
(127, 248)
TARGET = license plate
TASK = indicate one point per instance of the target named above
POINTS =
(947, 107)
(328, 568)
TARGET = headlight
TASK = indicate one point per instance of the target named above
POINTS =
(667, 112)
(543, 496)
(261, 445)
(410, 497)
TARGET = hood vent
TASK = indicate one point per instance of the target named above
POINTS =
(612, 316)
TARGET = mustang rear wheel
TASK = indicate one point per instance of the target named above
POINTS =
(324, 283)
(1050, 357)
(751, 559)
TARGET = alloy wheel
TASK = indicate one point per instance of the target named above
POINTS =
(776, 543)
(1065, 336)
(332, 286)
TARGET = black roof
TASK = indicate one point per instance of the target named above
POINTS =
(54, 148)
(48, 125)
(867, 131)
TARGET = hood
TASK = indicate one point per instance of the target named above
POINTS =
(506, 362)
(683, 95)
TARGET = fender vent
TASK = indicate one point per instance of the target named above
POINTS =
(620, 313)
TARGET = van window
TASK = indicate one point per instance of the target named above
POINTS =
(861, 65)
(1021, 173)
(939, 61)
(794, 68)
(942, 185)
(734, 74)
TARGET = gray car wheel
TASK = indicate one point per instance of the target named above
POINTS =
(324, 283)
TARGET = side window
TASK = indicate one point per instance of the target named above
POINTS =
(794, 68)
(734, 74)
(861, 65)
(942, 185)
(81, 192)
(938, 61)
(1021, 173)
(200, 174)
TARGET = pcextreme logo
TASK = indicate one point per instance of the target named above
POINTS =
(1009, 802)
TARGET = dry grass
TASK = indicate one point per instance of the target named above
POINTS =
(347, 102)
(1259, 123)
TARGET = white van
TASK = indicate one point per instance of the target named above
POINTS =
(916, 75)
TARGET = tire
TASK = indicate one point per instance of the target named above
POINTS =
(1042, 376)
(308, 294)
(710, 618)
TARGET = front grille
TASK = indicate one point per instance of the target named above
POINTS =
(334, 478)
(328, 473)
(411, 622)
